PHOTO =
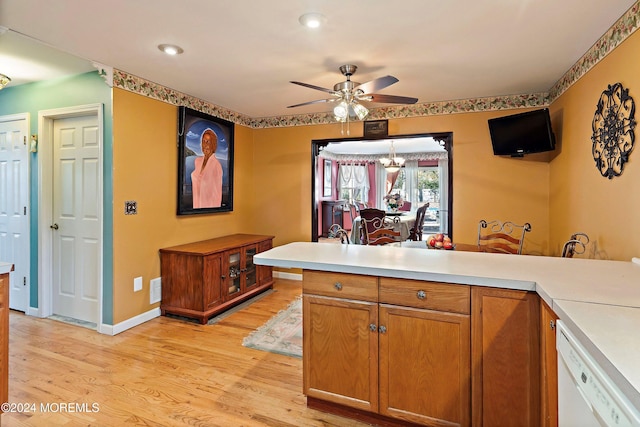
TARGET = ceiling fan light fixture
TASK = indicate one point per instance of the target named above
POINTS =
(312, 20)
(360, 110)
(4, 80)
(170, 49)
(341, 111)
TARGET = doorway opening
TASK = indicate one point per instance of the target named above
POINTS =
(426, 177)
(70, 183)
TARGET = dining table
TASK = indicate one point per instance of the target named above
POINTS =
(398, 221)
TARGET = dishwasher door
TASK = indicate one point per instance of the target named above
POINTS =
(586, 394)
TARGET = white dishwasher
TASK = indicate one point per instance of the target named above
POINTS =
(586, 394)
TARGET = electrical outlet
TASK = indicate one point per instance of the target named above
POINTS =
(137, 284)
(155, 290)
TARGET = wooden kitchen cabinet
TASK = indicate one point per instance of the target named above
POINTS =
(505, 357)
(425, 352)
(340, 355)
(202, 279)
(340, 339)
(548, 366)
(397, 349)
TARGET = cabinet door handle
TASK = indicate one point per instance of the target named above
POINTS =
(338, 286)
(373, 327)
(382, 329)
(421, 294)
(223, 277)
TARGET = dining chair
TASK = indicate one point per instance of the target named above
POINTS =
(371, 219)
(337, 232)
(382, 236)
(406, 207)
(577, 244)
(354, 210)
(415, 233)
(501, 237)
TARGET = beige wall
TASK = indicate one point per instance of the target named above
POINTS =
(145, 159)
(581, 199)
(484, 186)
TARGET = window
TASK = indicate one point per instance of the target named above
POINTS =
(354, 183)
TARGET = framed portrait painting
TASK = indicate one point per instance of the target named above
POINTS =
(205, 163)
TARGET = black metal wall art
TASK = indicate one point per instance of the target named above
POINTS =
(613, 130)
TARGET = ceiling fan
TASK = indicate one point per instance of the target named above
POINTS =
(348, 94)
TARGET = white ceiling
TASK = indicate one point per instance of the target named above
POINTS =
(241, 54)
(382, 146)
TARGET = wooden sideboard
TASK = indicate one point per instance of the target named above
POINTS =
(4, 337)
(202, 279)
(332, 213)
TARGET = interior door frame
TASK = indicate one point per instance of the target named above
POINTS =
(317, 145)
(27, 172)
(46, 119)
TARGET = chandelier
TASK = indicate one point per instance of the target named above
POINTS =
(4, 80)
(392, 163)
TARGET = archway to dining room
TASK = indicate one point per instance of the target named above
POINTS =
(349, 171)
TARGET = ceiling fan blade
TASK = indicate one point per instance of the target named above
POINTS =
(331, 91)
(376, 84)
(391, 99)
(318, 101)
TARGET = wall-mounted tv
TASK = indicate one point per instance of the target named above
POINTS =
(523, 133)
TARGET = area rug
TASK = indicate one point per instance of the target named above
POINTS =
(282, 334)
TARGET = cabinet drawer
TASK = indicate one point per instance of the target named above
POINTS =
(428, 295)
(340, 285)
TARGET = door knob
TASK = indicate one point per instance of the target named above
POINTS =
(54, 226)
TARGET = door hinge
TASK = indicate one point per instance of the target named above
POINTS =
(24, 281)
(25, 210)
(24, 139)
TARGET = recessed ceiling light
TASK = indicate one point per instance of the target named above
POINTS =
(312, 20)
(170, 49)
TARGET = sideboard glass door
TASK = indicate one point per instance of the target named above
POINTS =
(250, 268)
(234, 272)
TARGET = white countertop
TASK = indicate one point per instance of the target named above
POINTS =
(5, 267)
(598, 300)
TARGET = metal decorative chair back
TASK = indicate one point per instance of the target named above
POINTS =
(416, 231)
(337, 232)
(577, 244)
(369, 214)
(499, 237)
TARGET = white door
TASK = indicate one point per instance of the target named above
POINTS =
(14, 205)
(76, 224)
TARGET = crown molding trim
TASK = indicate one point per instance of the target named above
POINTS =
(619, 32)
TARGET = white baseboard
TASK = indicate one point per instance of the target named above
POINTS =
(289, 276)
(35, 312)
(129, 323)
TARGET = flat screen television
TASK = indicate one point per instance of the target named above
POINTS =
(523, 133)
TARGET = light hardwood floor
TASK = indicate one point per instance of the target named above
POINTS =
(166, 372)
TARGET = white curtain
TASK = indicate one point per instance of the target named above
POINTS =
(356, 177)
(411, 181)
(381, 185)
(443, 170)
